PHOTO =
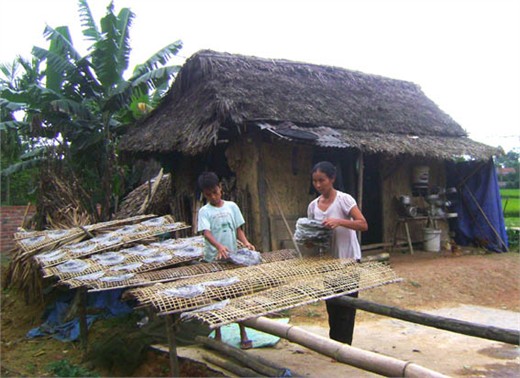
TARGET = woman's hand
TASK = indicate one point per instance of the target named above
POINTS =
(331, 223)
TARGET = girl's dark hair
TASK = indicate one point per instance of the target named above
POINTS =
(326, 167)
(207, 180)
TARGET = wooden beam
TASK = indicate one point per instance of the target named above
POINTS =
(508, 336)
(361, 174)
(172, 345)
(262, 194)
(83, 324)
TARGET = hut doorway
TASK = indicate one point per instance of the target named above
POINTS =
(346, 162)
(372, 201)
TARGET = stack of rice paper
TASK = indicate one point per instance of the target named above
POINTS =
(310, 231)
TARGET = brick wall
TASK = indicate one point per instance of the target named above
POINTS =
(11, 217)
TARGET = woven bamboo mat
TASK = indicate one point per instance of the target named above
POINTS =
(169, 274)
(111, 241)
(33, 241)
(115, 266)
(183, 295)
(293, 294)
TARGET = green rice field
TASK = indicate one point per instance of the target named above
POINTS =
(511, 206)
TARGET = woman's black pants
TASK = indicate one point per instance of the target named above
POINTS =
(341, 321)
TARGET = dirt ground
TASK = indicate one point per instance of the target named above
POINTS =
(465, 286)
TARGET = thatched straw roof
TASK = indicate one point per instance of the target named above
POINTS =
(217, 94)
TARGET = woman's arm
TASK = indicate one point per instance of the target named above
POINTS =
(357, 223)
(242, 237)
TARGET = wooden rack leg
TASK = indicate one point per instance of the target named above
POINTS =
(83, 325)
(408, 238)
(394, 242)
(172, 345)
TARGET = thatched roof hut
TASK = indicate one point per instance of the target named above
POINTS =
(217, 95)
(256, 121)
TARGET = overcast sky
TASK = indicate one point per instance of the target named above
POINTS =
(465, 54)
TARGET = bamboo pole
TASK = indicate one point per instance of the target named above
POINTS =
(245, 358)
(459, 326)
(370, 361)
(487, 219)
(291, 234)
(379, 257)
(241, 371)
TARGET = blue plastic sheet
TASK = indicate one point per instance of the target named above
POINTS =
(106, 304)
(231, 335)
(480, 218)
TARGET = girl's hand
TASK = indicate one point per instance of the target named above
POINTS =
(249, 246)
(331, 223)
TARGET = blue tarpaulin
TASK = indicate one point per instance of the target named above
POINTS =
(106, 304)
(480, 218)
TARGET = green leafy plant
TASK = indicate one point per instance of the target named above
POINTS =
(77, 107)
(64, 368)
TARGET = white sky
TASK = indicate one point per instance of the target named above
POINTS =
(465, 54)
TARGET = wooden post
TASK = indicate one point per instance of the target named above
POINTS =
(361, 174)
(83, 325)
(172, 345)
(459, 326)
(262, 194)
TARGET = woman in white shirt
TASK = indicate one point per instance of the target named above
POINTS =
(339, 212)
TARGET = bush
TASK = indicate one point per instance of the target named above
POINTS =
(513, 239)
(64, 368)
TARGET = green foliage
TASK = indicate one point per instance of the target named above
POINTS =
(78, 105)
(513, 239)
(64, 368)
(509, 160)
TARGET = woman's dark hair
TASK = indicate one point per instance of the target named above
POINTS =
(326, 167)
(207, 180)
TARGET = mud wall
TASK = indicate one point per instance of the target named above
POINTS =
(285, 169)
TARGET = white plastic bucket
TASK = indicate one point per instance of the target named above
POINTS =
(431, 240)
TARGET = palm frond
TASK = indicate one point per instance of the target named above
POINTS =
(21, 166)
(156, 77)
(119, 98)
(60, 39)
(56, 63)
(161, 57)
(13, 125)
(105, 53)
(90, 29)
(71, 107)
(124, 22)
(10, 106)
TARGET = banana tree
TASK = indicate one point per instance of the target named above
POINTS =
(83, 102)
